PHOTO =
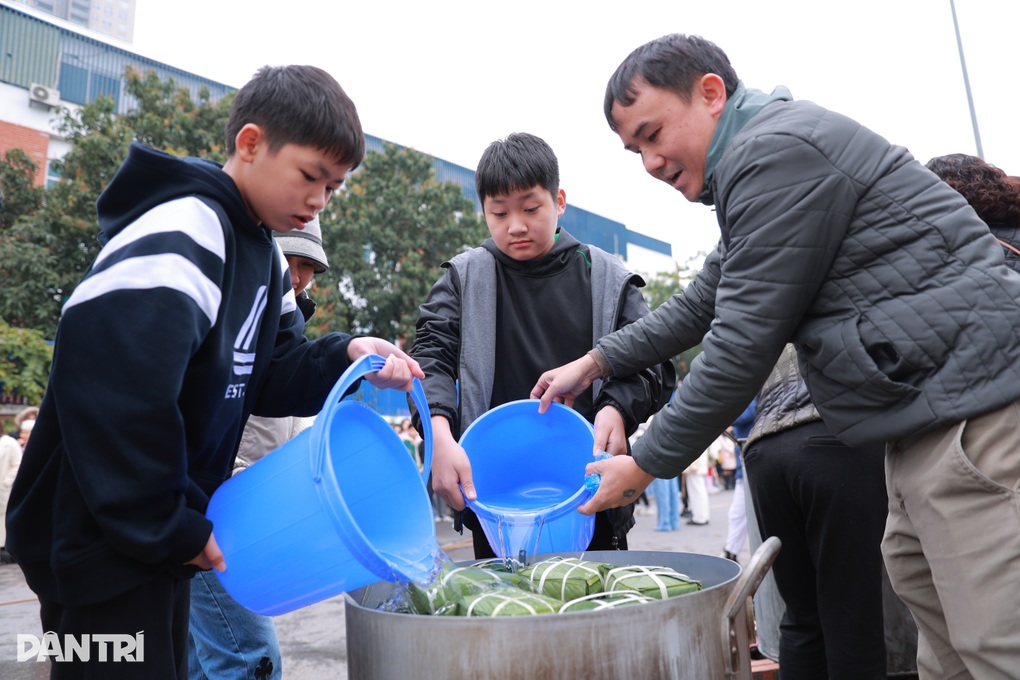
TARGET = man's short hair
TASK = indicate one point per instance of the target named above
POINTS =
(301, 105)
(519, 162)
(673, 62)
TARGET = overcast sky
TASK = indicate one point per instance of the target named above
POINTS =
(449, 77)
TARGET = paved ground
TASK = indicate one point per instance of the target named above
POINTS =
(313, 639)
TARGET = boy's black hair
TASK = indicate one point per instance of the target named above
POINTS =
(299, 105)
(519, 162)
(673, 62)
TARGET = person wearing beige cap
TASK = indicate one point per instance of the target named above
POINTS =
(25, 431)
(305, 256)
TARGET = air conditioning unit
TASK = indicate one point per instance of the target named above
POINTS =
(44, 95)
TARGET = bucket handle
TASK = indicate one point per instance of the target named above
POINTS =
(371, 363)
(747, 586)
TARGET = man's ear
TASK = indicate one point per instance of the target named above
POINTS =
(713, 90)
(247, 141)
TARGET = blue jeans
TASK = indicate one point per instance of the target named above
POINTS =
(667, 503)
(227, 640)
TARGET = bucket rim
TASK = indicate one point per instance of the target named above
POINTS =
(529, 406)
(527, 409)
(520, 405)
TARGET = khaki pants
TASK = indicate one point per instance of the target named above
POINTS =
(952, 544)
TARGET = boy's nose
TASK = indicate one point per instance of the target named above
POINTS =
(317, 201)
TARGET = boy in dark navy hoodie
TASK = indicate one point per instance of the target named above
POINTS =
(185, 324)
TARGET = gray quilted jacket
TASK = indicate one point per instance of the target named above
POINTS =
(892, 290)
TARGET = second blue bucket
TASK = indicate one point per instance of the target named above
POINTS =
(528, 468)
(338, 507)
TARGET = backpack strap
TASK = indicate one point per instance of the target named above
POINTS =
(1008, 246)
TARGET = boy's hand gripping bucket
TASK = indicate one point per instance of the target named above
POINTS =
(337, 507)
(528, 471)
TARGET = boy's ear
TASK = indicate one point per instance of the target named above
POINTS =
(713, 90)
(247, 141)
(561, 202)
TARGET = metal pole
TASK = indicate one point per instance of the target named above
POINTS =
(966, 83)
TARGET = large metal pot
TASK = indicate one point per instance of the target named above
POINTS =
(701, 635)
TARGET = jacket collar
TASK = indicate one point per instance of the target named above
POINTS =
(739, 109)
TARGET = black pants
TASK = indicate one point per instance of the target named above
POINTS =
(158, 608)
(827, 503)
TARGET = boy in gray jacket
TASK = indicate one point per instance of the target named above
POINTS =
(527, 298)
(897, 299)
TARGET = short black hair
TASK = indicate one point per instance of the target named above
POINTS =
(299, 105)
(519, 162)
(673, 62)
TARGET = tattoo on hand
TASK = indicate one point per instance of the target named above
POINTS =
(629, 492)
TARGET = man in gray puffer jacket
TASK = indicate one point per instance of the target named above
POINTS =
(894, 293)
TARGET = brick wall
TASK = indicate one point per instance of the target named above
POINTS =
(33, 142)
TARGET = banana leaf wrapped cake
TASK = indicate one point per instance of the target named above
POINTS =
(566, 578)
(557, 584)
(656, 582)
(605, 601)
(507, 602)
(467, 580)
(452, 583)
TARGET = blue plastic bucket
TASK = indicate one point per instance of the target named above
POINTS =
(528, 471)
(337, 507)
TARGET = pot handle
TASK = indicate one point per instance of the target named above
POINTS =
(747, 585)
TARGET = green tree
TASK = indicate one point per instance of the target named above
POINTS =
(46, 253)
(386, 238)
(21, 259)
(18, 194)
(25, 359)
(663, 286)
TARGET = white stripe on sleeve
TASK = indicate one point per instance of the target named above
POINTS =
(187, 215)
(167, 270)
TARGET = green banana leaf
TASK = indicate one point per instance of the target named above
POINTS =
(566, 578)
(507, 602)
(620, 598)
(452, 582)
(655, 582)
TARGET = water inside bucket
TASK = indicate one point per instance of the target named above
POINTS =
(528, 498)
